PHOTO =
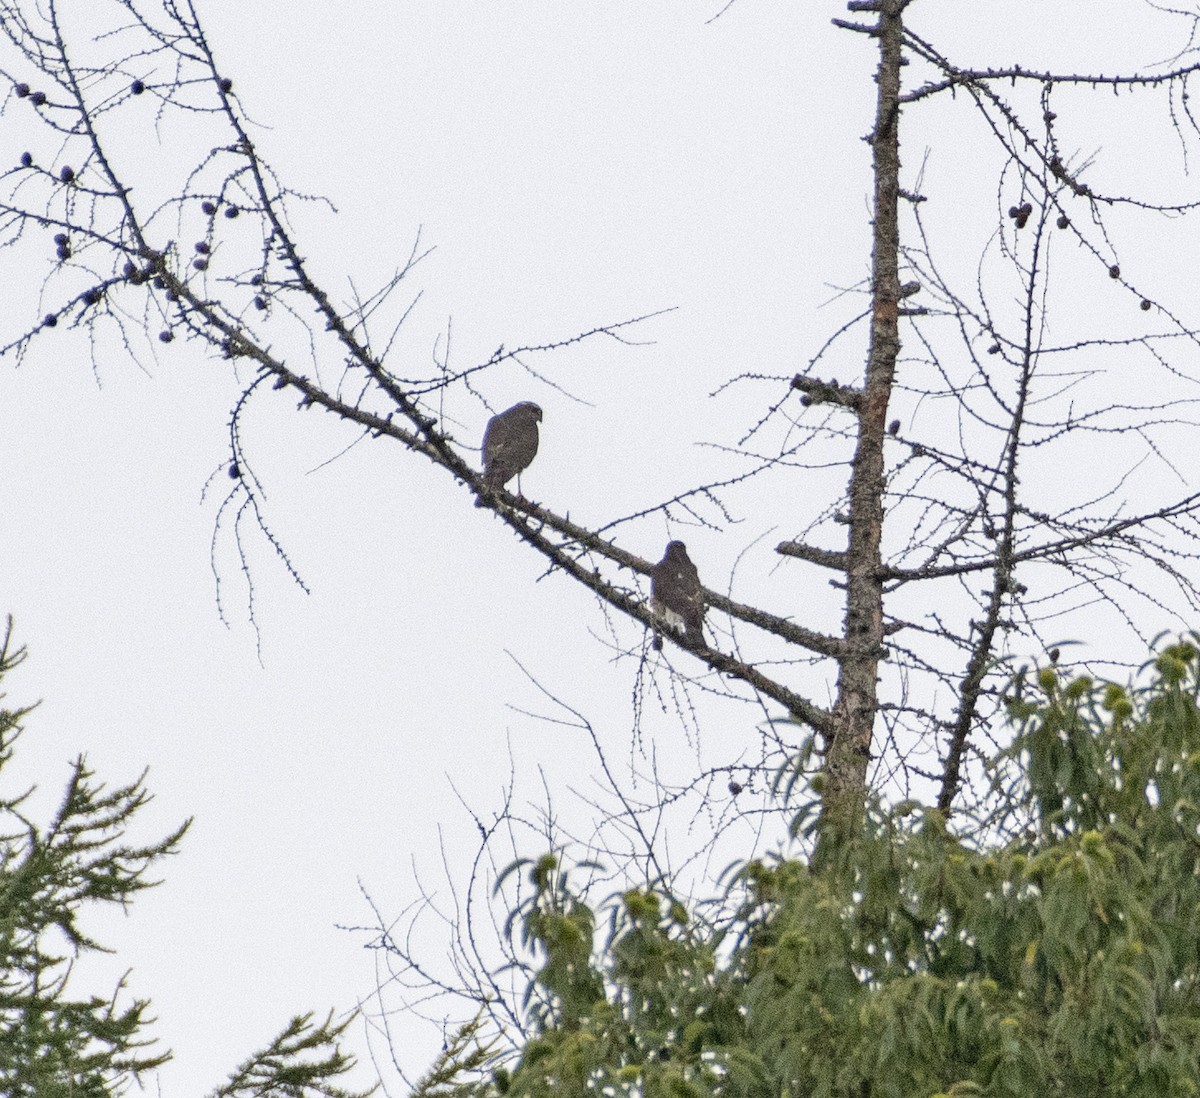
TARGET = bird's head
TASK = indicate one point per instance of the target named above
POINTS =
(676, 550)
(528, 408)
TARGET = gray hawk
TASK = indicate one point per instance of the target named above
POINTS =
(510, 443)
(676, 595)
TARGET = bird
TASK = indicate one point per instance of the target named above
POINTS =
(676, 595)
(510, 443)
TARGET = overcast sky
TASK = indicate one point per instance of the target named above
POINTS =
(573, 165)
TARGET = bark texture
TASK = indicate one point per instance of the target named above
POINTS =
(848, 751)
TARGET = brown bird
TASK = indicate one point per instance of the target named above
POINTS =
(676, 595)
(510, 443)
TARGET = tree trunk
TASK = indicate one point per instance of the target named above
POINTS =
(848, 750)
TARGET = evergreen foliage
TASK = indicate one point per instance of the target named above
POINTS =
(300, 1062)
(55, 1043)
(51, 1042)
(1062, 958)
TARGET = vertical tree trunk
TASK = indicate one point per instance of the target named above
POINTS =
(848, 751)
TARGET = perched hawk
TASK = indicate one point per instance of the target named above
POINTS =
(510, 443)
(676, 595)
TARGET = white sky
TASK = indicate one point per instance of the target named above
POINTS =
(574, 165)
